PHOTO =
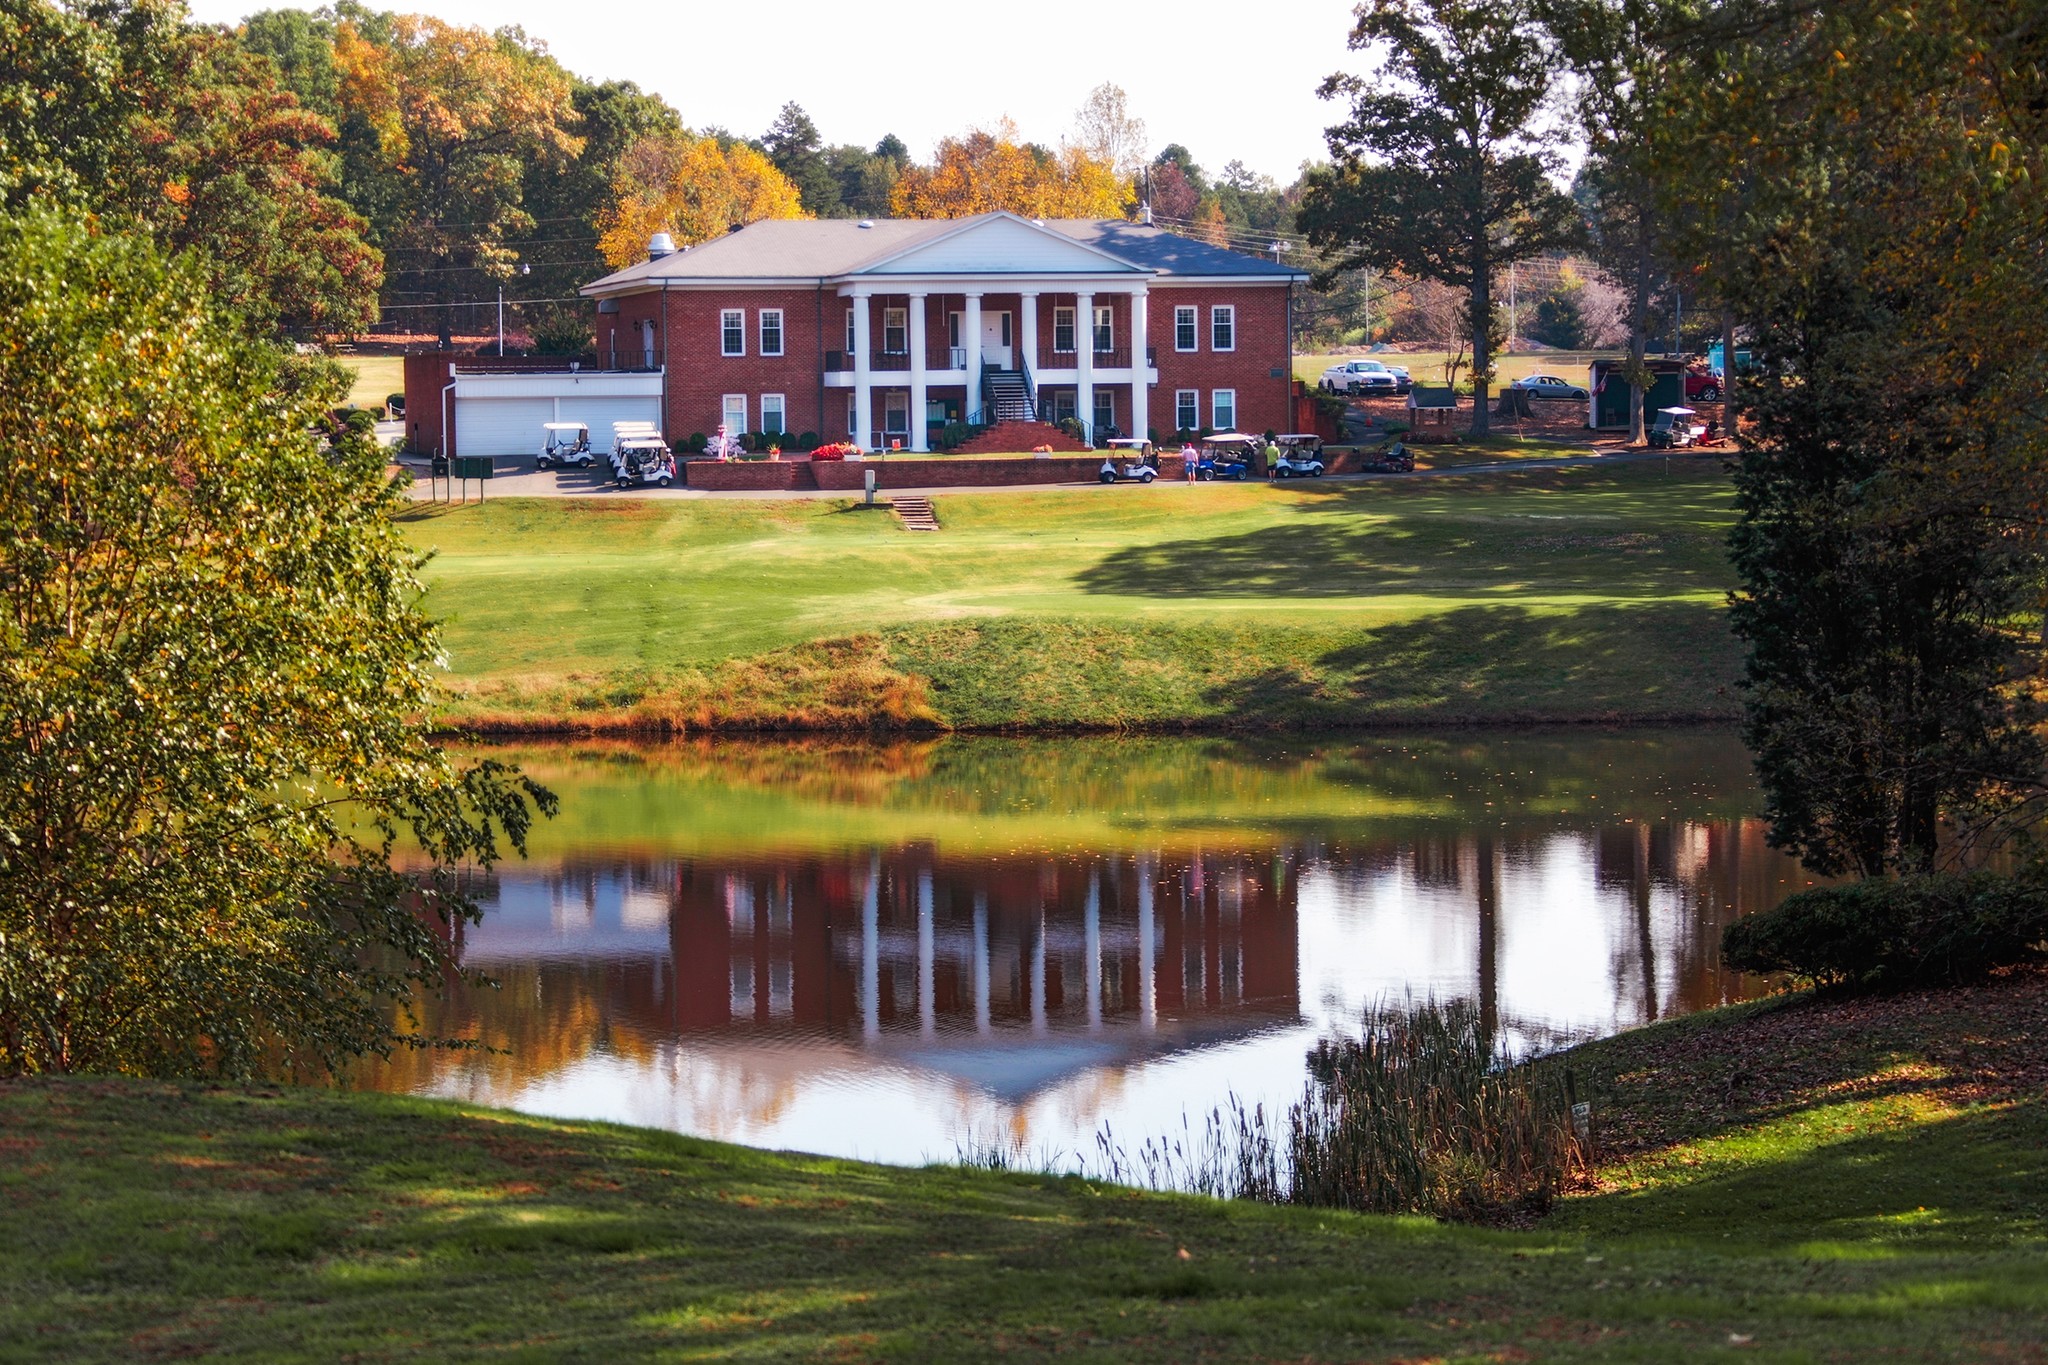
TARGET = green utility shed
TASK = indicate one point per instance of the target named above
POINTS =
(1607, 408)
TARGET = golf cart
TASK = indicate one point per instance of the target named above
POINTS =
(1674, 429)
(1227, 455)
(1301, 456)
(565, 444)
(1133, 467)
(1128, 446)
(642, 460)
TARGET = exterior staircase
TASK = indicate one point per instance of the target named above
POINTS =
(1009, 395)
(1015, 438)
(916, 513)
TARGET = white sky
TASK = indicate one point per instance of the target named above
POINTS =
(1228, 81)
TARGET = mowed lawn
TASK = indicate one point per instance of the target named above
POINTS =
(1553, 593)
(1845, 1183)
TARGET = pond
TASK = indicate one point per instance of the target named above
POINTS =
(901, 952)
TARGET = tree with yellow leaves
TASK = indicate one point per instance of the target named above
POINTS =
(693, 188)
(460, 114)
(990, 170)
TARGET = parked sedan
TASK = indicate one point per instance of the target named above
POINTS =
(1550, 386)
(1359, 376)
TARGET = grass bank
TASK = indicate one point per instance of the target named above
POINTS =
(1530, 596)
(1808, 1182)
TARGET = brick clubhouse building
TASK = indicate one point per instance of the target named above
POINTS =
(881, 330)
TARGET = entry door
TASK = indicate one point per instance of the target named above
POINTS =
(995, 340)
(647, 343)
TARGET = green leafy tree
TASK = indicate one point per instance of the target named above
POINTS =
(225, 843)
(792, 144)
(1441, 171)
(1886, 260)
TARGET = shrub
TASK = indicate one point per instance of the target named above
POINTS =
(746, 439)
(953, 435)
(1426, 1113)
(697, 443)
(394, 403)
(1071, 426)
(1891, 933)
(807, 441)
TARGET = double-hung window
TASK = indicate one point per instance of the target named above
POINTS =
(1105, 329)
(1223, 409)
(732, 332)
(1223, 328)
(1063, 329)
(896, 413)
(852, 344)
(1187, 407)
(1105, 411)
(1186, 335)
(734, 412)
(771, 331)
(895, 331)
(771, 414)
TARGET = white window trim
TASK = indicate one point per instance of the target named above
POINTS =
(893, 402)
(1194, 406)
(852, 340)
(888, 327)
(1104, 398)
(1216, 312)
(725, 316)
(1073, 333)
(725, 406)
(1215, 411)
(1194, 317)
(781, 412)
(780, 338)
(1102, 327)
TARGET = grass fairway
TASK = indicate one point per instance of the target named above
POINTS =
(1873, 1186)
(377, 378)
(1547, 595)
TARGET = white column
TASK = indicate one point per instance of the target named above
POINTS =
(927, 994)
(917, 379)
(1027, 338)
(970, 338)
(982, 1023)
(1141, 388)
(863, 379)
(1084, 359)
(1038, 974)
(1091, 967)
(1148, 994)
(871, 952)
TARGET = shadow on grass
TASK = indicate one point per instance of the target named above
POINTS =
(1448, 556)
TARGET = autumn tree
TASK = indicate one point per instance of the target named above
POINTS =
(693, 188)
(461, 115)
(990, 170)
(175, 129)
(1108, 132)
(1441, 170)
(212, 663)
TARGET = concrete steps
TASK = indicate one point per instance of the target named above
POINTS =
(916, 513)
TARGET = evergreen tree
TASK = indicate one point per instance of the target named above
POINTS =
(792, 144)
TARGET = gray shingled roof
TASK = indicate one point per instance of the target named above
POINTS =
(824, 248)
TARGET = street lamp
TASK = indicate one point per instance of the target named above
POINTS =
(524, 269)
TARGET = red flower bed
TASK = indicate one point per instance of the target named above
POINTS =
(838, 450)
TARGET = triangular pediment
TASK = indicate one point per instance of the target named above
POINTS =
(1000, 244)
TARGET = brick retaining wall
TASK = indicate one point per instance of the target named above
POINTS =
(945, 471)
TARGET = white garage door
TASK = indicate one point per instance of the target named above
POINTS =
(599, 414)
(501, 426)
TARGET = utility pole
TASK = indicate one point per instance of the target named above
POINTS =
(524, 269)
(1511, 307)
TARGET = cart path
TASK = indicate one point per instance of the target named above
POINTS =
(515, 477)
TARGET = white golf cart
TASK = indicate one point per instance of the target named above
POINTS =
(1130, 445)
(642, 459)
(1133, 467)
(565, 444)
(1674, 429)
(1301, 456)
